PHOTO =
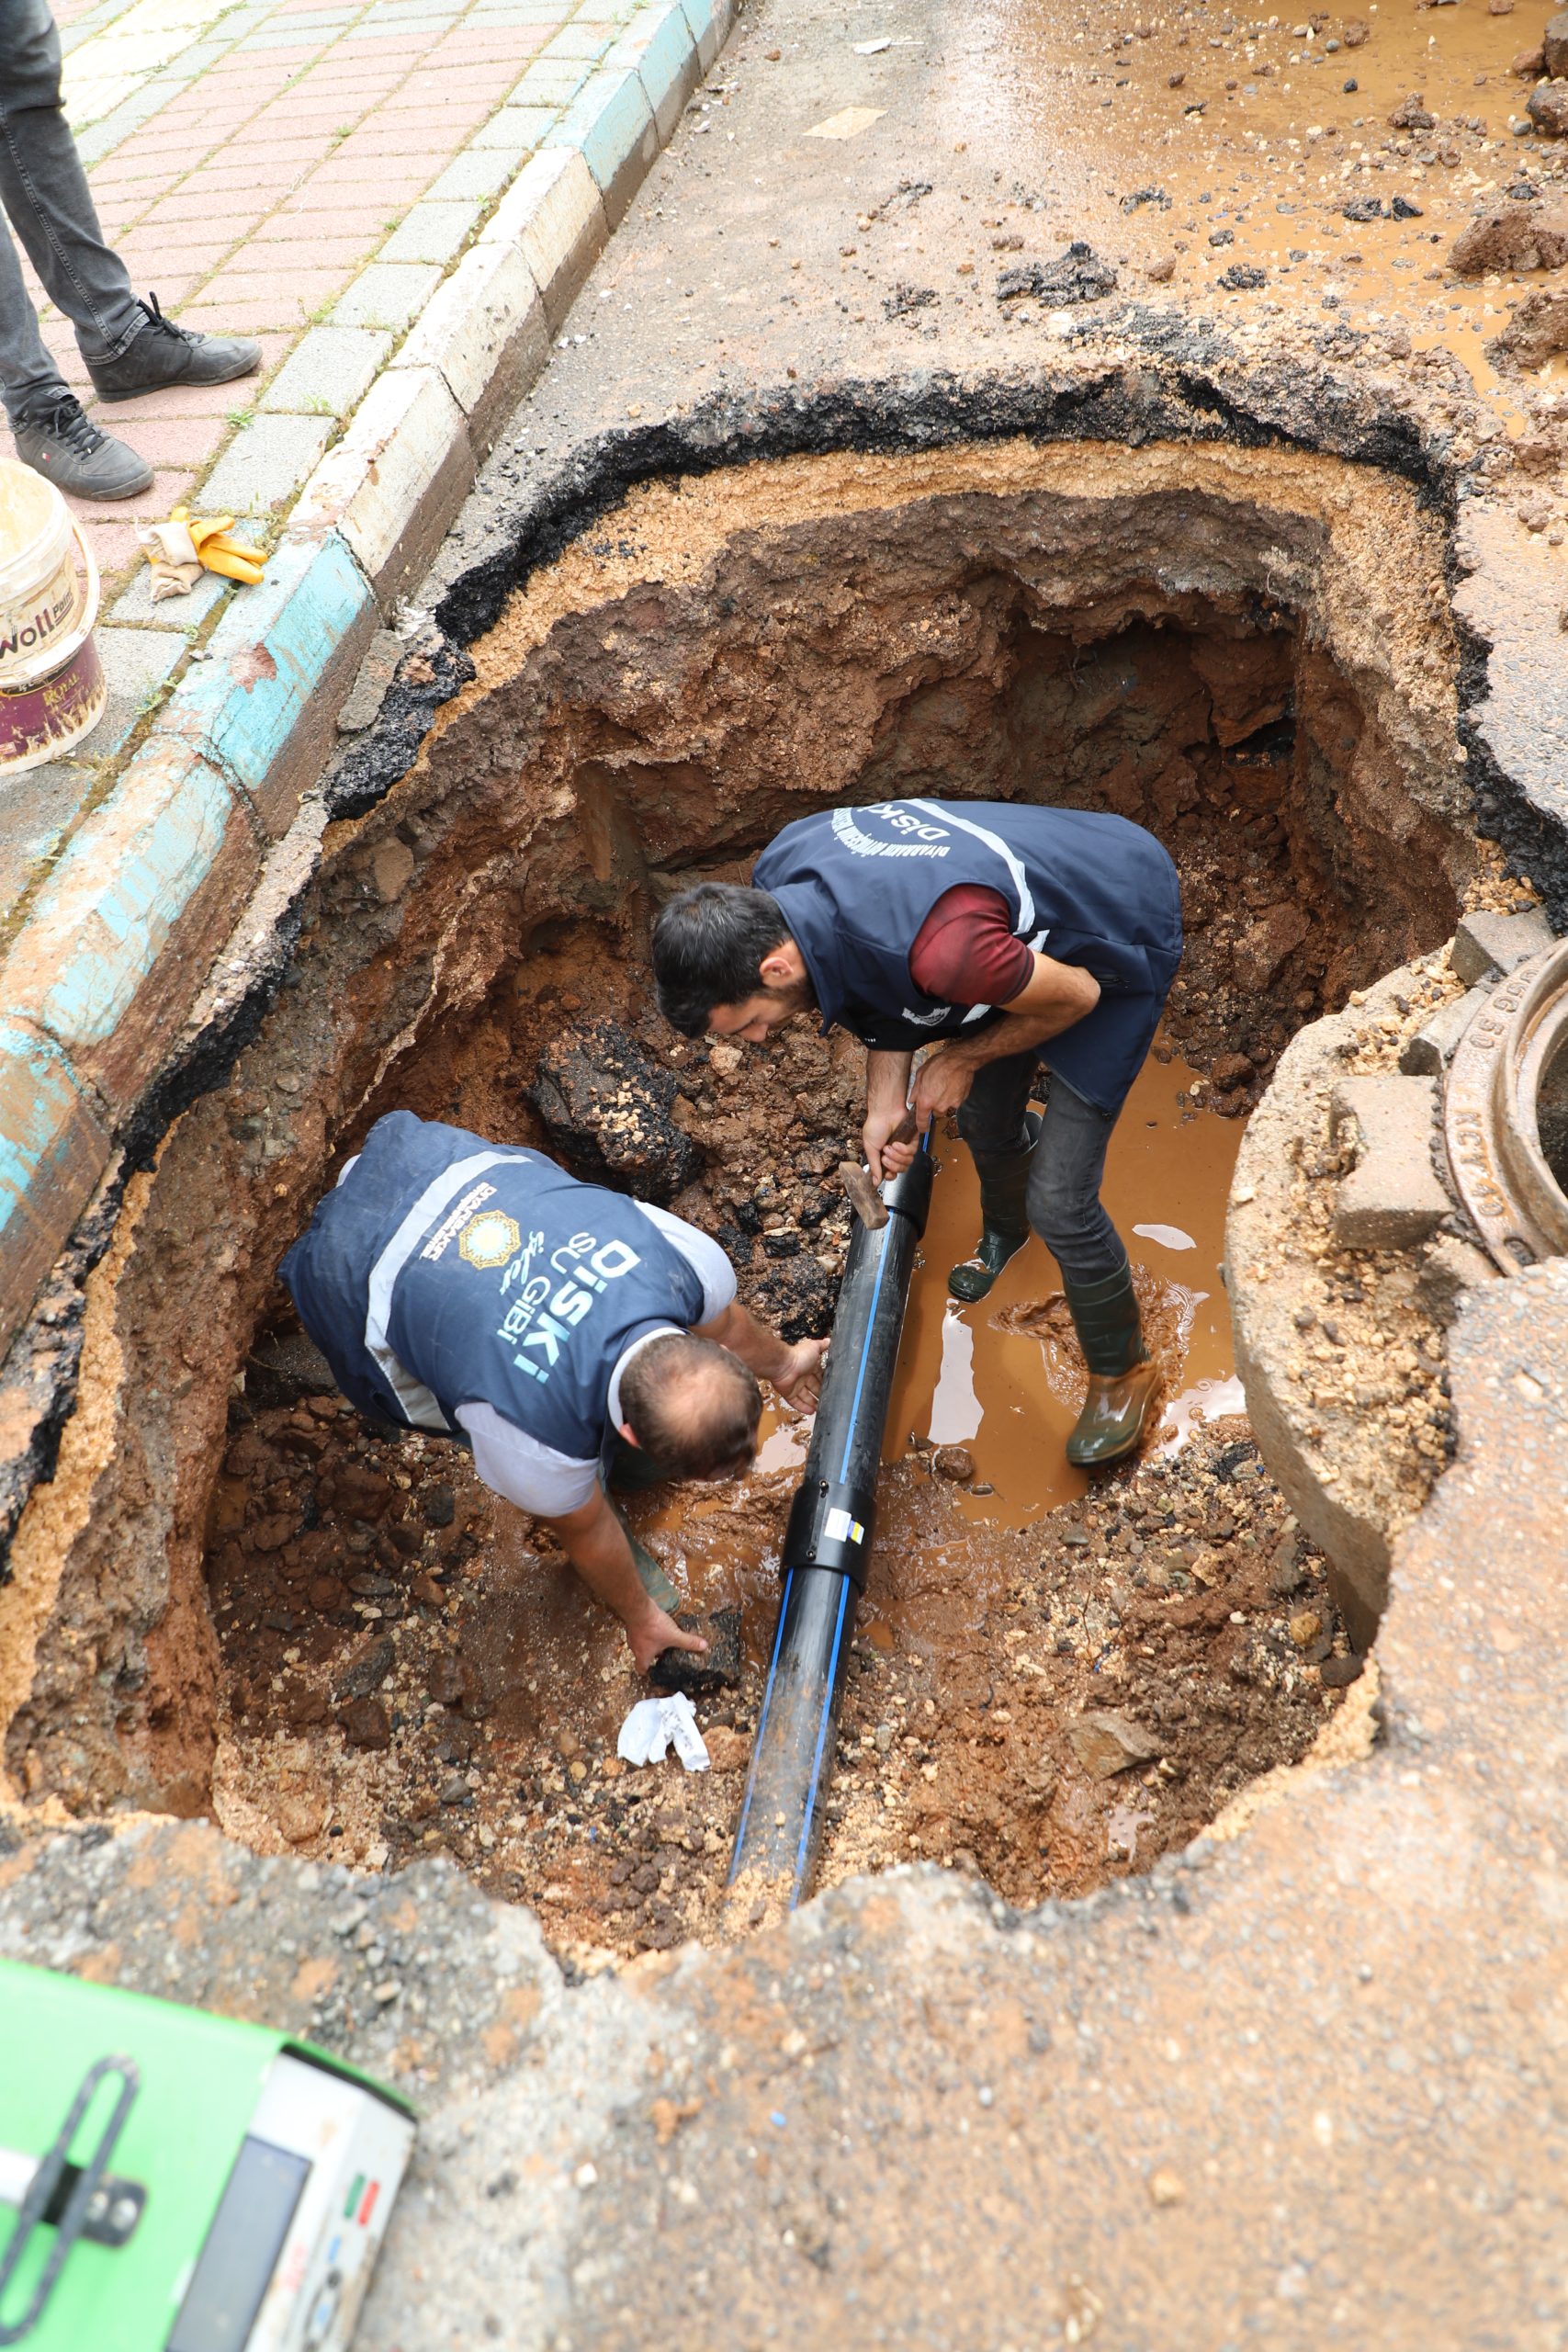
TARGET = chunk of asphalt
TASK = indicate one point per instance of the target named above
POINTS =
(367, 1670)
(700, 1677)
(1078, 274)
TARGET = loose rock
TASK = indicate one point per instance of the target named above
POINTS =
(438, 1506)
(1515, 237)
(367, 1724)
(1076, 275)
(1548, 109)
(367, 1668)
(302, 1818)
(1106, 1743)
(607, 1105)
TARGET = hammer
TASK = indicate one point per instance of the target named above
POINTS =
(859, 1190)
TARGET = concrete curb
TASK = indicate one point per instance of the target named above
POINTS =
(117, 947)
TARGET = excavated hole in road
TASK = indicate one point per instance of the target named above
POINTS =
(403, 1665)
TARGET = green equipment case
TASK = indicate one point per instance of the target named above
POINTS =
(181, 2182)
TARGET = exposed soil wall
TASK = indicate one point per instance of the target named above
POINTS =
(1249, 652)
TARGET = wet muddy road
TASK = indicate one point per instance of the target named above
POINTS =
(871, 188)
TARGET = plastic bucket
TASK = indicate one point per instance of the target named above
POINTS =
(51, 682)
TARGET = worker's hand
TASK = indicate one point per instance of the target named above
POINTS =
(942, 1083)
(884, 1157)
(800, 1383)
(653, 1630)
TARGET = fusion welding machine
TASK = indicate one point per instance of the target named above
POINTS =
(182, 2183)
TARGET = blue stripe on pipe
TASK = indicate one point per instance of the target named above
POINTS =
(761, 1727)
(864, 1353)
(800, 1854)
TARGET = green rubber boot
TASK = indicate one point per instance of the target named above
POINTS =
(1122, 1382)
(630, 1472)
(1004, 1220)
(650, 1576)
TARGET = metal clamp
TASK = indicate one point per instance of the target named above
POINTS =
(83, 2202)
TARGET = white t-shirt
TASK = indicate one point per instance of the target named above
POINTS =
(534, 1477)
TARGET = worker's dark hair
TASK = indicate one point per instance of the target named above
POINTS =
(708, 946)
(691, 1407)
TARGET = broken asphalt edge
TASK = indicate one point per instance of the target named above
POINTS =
(126, 933)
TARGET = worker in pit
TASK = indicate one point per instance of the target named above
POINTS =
(1038, 947)
(477, 1291)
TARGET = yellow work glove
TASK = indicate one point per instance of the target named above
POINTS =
(181, 549)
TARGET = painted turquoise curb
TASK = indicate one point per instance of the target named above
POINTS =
(161, 860)
(247, 705)
(666, 62)
(610, 124)
(53, 1148)
(709, 21)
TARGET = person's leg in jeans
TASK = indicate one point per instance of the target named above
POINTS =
(1066, 1172)
(1065, 1177)
(129, 346)
(44, 191)
(995, 1122)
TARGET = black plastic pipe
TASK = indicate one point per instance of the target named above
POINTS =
(826, 1548)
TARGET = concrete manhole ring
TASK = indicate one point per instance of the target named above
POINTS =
(1492, 1113)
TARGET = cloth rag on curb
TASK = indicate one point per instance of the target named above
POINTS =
(654, 1725)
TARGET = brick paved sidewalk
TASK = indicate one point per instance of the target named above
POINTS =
(304, 171)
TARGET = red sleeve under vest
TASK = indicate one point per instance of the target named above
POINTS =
(965, 951)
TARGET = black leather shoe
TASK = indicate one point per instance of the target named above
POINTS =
(59, 440)
(163, 354)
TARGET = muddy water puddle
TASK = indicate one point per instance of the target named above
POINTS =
(1003, 1379)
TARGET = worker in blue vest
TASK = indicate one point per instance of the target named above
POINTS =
(477, 1291)
(1007, 937)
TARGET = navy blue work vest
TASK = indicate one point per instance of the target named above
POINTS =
(447, 1270)
(855, 884)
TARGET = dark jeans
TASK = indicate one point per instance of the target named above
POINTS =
(44, 191)
(1068, 1166)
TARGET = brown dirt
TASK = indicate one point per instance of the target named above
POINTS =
(437, 1680)
(872, 653)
